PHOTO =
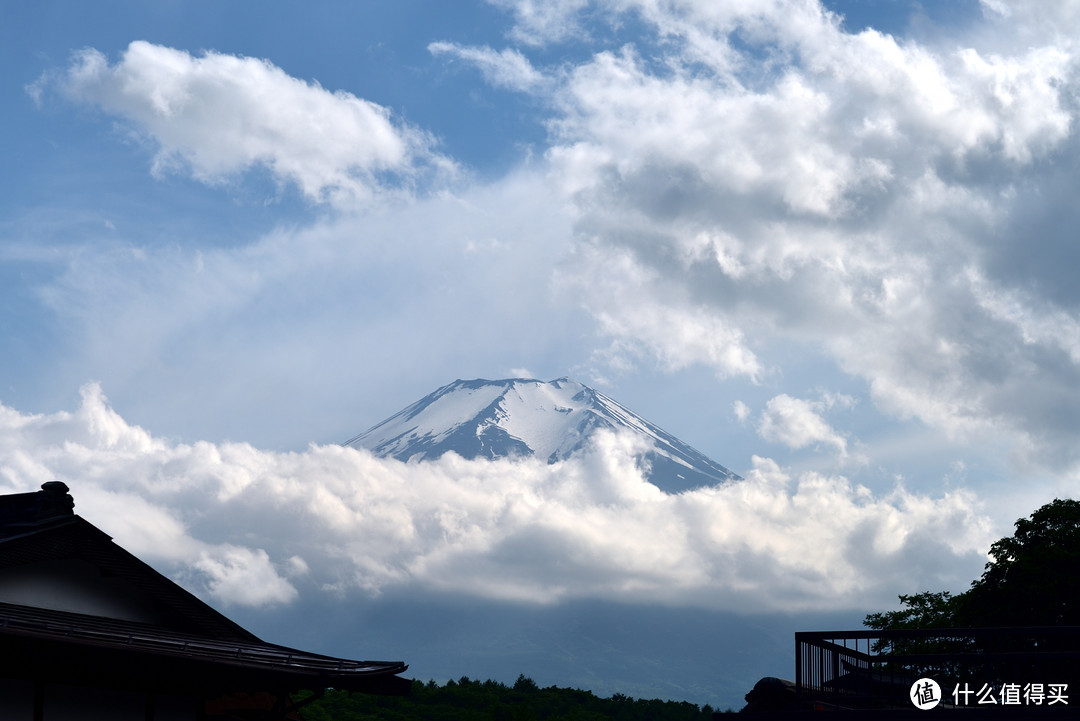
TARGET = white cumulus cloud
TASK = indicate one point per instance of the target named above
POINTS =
(894, 207)
(218, 115)
(797, 423)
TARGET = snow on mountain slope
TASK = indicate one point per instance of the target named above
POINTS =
(528, 417)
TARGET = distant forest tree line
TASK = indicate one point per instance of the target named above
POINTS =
(470, 700)
(1031, 579)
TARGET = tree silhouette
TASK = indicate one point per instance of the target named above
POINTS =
(1031, 579)
(929, 609)
(467, 699)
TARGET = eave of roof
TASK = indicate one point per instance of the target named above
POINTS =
(49, 643)
(190, 647)
(74, 537)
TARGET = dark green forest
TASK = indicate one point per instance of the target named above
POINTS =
(469, 700)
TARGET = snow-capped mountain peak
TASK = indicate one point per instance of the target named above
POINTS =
(528, 417)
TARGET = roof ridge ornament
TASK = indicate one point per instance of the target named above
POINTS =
(21, 512)
(55, 500)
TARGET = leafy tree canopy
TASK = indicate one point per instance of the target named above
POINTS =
(920, 610)
(1031, 579)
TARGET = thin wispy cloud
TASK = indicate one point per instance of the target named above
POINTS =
(506, 68)
(538, 23)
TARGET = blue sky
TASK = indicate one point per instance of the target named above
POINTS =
(828, 245)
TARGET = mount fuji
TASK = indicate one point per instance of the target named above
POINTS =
(526, 417)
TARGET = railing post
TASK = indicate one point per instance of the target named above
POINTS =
(798, 669)
(835, 670)
(820, 668)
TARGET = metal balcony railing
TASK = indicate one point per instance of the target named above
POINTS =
(876, 669)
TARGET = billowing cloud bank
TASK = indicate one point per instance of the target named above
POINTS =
(747, 183)
(254, 527)
(761, 174)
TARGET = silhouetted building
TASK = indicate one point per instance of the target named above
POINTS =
(88, 631)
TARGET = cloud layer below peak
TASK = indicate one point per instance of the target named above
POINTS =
(246, 526)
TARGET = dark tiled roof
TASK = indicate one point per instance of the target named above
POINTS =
(72, 537)
(189, 646)
(147, 656)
